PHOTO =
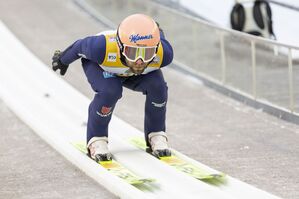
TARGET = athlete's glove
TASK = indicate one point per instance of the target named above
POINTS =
(57, 64)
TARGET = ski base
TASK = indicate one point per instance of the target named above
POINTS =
(181, 164)
(116, 168)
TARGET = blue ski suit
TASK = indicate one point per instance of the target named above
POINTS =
(107, 75)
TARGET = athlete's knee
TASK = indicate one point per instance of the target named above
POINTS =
(103, 103)
(158, 88)
(99, 114)
(111, 94)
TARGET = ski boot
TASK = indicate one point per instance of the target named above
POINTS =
(158, 144)
(97, 148)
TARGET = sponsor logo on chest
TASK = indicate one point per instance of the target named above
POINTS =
(112, 39)
(111, 57)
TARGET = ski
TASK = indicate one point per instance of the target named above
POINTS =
(181, 164)
(115, 167)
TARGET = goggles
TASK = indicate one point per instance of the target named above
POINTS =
(133, 53)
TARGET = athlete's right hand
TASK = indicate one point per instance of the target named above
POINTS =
(57, 64)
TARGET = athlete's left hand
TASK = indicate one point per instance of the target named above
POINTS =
(57, 64)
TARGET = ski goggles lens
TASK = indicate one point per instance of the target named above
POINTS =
(133, 53)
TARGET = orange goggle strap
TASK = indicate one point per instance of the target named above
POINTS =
(121, 47)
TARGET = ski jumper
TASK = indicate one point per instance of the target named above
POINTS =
(107, 75)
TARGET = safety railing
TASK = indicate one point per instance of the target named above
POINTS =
(264, 69)
(284, 5)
